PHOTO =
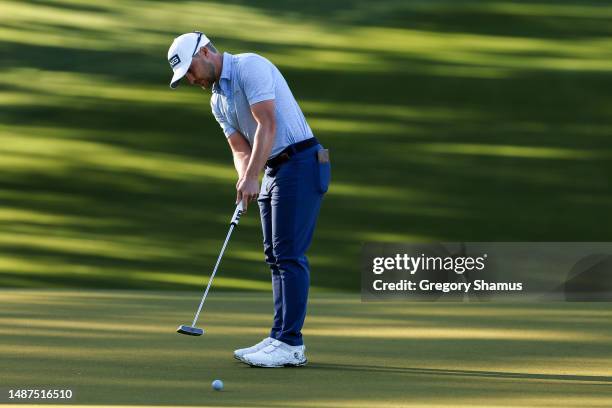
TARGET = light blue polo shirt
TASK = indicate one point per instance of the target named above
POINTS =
(247, 79)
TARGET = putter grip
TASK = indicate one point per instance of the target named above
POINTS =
(237, 214)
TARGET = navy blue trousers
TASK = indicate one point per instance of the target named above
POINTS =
(289, 203)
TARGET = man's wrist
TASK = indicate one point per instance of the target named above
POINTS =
(248, 176)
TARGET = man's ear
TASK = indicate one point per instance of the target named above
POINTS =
(203, 51)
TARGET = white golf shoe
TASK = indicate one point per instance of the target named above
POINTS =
(240, 353)
(277, 354)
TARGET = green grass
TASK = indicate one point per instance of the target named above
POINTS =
(447, 120)
(120, 348)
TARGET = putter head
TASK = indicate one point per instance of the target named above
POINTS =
(190, 331)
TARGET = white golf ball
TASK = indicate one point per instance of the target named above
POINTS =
(217, 385)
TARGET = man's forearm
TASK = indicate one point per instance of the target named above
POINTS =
(241, 162)
(247, 188)
(264, 140)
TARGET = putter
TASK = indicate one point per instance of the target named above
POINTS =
(193, 330)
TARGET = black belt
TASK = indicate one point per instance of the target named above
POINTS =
(289, 151)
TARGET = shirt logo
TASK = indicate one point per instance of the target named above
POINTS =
(174, 61)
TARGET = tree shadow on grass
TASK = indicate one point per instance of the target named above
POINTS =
(528, 18)
(582, 379)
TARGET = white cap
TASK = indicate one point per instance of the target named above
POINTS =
(182, 51)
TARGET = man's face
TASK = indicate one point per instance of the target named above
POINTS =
(202, 71)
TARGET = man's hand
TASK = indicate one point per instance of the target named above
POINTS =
(247, 189)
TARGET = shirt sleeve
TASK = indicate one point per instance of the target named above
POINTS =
(228, 130)
(256, 78)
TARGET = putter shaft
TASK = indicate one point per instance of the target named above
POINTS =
(235, 219)
(195, 319)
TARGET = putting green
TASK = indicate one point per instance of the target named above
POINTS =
(119, 348)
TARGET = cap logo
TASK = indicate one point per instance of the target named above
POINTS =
(174, 61)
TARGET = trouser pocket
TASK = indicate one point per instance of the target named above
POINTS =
(324, 170)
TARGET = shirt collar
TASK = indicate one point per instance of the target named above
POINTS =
(222, 86)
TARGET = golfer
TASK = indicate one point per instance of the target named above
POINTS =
(266, 130)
